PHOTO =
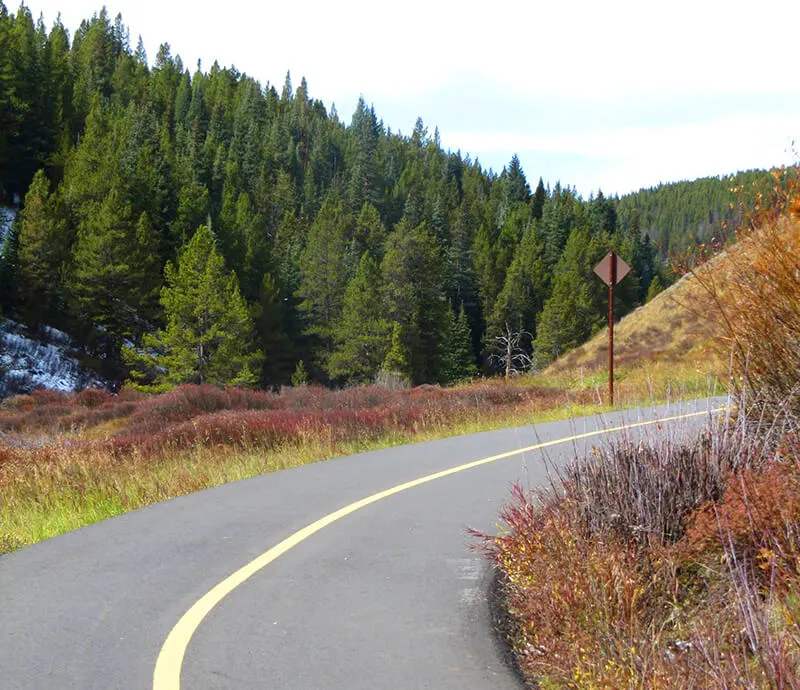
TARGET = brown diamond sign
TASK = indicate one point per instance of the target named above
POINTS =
(604, 268)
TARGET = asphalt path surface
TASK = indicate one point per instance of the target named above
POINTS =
(390, 596)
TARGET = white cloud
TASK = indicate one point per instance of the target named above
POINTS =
(631, 157)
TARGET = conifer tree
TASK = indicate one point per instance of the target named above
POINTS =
(40, 251)
(570, 315)
(456, 357)
(10, 296)
(269, 318)
(654, 289)
(115, 272)
(562, 212)
(300, 376)
(525, 288)
(515, 226)
(539, 198)
(209, 334)
(325, 275)
(362, 337)
(517, 189)
(369, 235)
(485, 263)
(412, 270)
(396, 360)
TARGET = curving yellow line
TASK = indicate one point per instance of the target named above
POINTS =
(167, 674)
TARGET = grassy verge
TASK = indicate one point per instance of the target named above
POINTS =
(70, 461)
(66, 462)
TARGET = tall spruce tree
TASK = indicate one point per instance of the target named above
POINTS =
(270, 318)
(363, 334)
(570, 314)
(413, 271)
(457, 359)
(209, 333)
(114, 276)
(539, 198)
(41, 245)
(525, 288)
(325, 275)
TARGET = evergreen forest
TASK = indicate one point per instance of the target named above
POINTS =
(197, 226)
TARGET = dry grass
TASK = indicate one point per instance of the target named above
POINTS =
(675, 328)
(674, 337)
(66, 461)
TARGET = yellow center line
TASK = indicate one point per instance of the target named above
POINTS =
(167, 674)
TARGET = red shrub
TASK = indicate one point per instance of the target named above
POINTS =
(47, 416)
(92, 397)
(758, 517)
(93, 416)
(11, 422)
(18, 402)
(43, 397)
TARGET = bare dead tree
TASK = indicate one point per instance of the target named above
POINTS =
(507, 352)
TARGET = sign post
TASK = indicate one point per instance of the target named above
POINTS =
(611, 270)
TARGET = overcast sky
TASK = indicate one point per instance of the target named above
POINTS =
(611, 95)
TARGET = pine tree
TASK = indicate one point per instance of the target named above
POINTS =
(9, 273)
(515, 226)
(517, 189)
(570, 314)
(300, 376)
(413, 270)
(41, 246)
(369, 235)
(539, 199)
(269, 318)
(325, 274)
(362, 337)
(209, 333)
(396, 360)
(456, 357)
(115, 272)
(654, 289)
(562, 213)
(485, 265)
(525, 288)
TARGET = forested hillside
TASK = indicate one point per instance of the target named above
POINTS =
(189, 225)
(680, 215)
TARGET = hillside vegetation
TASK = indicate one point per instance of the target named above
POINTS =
(675, 564)
(675, 335)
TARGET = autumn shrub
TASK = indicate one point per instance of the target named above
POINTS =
(47, 415)
(643, 491)
(93, 416)
(755, 290)
(658, 564)
(18, 402)
(43, 397)
(91, 397)
(11, 422)
(758, 518)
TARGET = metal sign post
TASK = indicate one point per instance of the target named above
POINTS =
(611, 270)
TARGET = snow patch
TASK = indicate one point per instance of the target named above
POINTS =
(7, 215)
(28, 364)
